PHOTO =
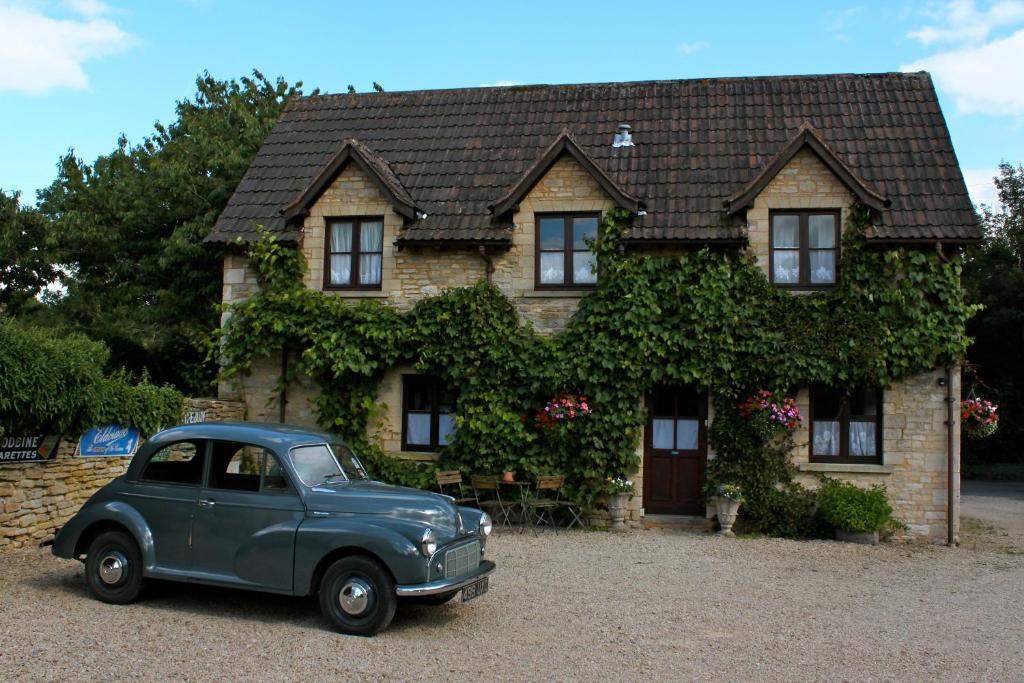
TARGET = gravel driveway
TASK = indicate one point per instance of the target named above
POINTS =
(650, 605)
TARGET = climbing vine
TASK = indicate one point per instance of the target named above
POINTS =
(706, 318)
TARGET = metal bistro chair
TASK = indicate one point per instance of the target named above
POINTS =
(540, 506)
(486, 491)
(450, 484)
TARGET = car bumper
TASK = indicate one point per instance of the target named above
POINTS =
(444, 585)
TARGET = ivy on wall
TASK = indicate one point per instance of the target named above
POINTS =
(707, 318)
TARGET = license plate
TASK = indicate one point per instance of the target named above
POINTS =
(474, 590)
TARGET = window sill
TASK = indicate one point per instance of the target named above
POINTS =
(357, 293)
(847, 467)
(557, 293)
(416, 456)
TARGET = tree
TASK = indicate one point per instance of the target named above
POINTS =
(129, 228)
(25, 265)
(994, 277)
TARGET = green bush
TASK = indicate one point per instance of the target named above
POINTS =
(850, 508)
(56, 383)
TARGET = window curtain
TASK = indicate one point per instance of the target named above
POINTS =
(371, 239)
(341, 263)
(862, 438)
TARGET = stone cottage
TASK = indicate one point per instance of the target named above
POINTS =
(397, 196)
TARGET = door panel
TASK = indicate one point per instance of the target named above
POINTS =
(247, 515)
(246, 537)
(675, 451)
(165, 495)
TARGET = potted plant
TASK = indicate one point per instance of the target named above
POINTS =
(978, 418)
(620, 491)
(857, 514)
(727, 503)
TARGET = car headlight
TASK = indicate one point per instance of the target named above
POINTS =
(428, 544)
(485, 524)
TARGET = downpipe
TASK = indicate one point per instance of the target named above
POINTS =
(950, 417)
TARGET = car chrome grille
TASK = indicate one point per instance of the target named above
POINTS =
(462, 560)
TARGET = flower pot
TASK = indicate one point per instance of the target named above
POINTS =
(864, 538)
(617, 511)
(510, 477)
(727, 509)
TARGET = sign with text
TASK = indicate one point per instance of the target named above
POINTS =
(32, 448)
(194, 416)
(109, 441)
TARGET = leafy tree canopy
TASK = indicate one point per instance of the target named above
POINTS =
(129, 228)
(25, 265)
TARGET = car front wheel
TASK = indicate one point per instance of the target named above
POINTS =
(357, 595)
(113, 568)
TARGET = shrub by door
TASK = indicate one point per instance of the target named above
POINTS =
(675, 451)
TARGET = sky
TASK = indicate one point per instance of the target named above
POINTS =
(75, 74)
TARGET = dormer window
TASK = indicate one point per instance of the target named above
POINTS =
(354, 249)
(564, 255)
(804, 249)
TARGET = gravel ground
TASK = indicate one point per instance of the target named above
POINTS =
(647, 605)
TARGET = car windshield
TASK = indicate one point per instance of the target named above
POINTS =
(318, 464)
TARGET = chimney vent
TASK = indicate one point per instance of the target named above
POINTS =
(623, 138)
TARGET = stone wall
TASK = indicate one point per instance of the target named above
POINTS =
(36, 498)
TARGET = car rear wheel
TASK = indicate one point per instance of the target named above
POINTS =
(113, 568)
(357, 595)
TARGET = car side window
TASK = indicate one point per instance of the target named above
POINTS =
(242, 467)
(177, 463)
(274, 479)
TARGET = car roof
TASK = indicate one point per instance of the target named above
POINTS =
(271, 435)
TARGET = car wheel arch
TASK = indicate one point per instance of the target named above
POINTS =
(95, 529)
(338, 553)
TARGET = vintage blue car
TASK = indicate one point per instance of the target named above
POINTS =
(279, 509)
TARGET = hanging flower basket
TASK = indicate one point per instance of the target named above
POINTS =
(978, 418)
(562, 409)
(769, 415)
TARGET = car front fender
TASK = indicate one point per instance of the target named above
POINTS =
(111, 512)
(390, 543)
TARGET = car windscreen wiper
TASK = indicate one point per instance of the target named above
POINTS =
(332, 476)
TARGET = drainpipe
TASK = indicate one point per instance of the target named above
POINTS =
(952, 507)
(283, 398)
(488, 262)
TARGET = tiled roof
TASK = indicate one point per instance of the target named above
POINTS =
(699, 143)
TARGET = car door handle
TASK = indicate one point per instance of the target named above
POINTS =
(206, 503)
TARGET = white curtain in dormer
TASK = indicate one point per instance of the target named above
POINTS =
(341, 263)
(371, 239)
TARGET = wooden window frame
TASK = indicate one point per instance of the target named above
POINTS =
(567, 252)
(803, 248)
(844, 456)
(357, 225)
(435, 413)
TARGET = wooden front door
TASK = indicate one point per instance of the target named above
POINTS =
(675, 451)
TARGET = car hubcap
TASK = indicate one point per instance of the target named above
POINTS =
(113, 567)
(355, 596)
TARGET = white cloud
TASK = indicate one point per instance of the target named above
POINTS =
(687, 49)
(987, 79)
(87, 8)
(39, 52)
(961, 20)
(981, 67)
(499, 84)
(981, 187)
(837, 22)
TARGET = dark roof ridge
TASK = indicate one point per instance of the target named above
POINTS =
(371, 163)
(564, 143)
(807, 136)
(656, 81)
